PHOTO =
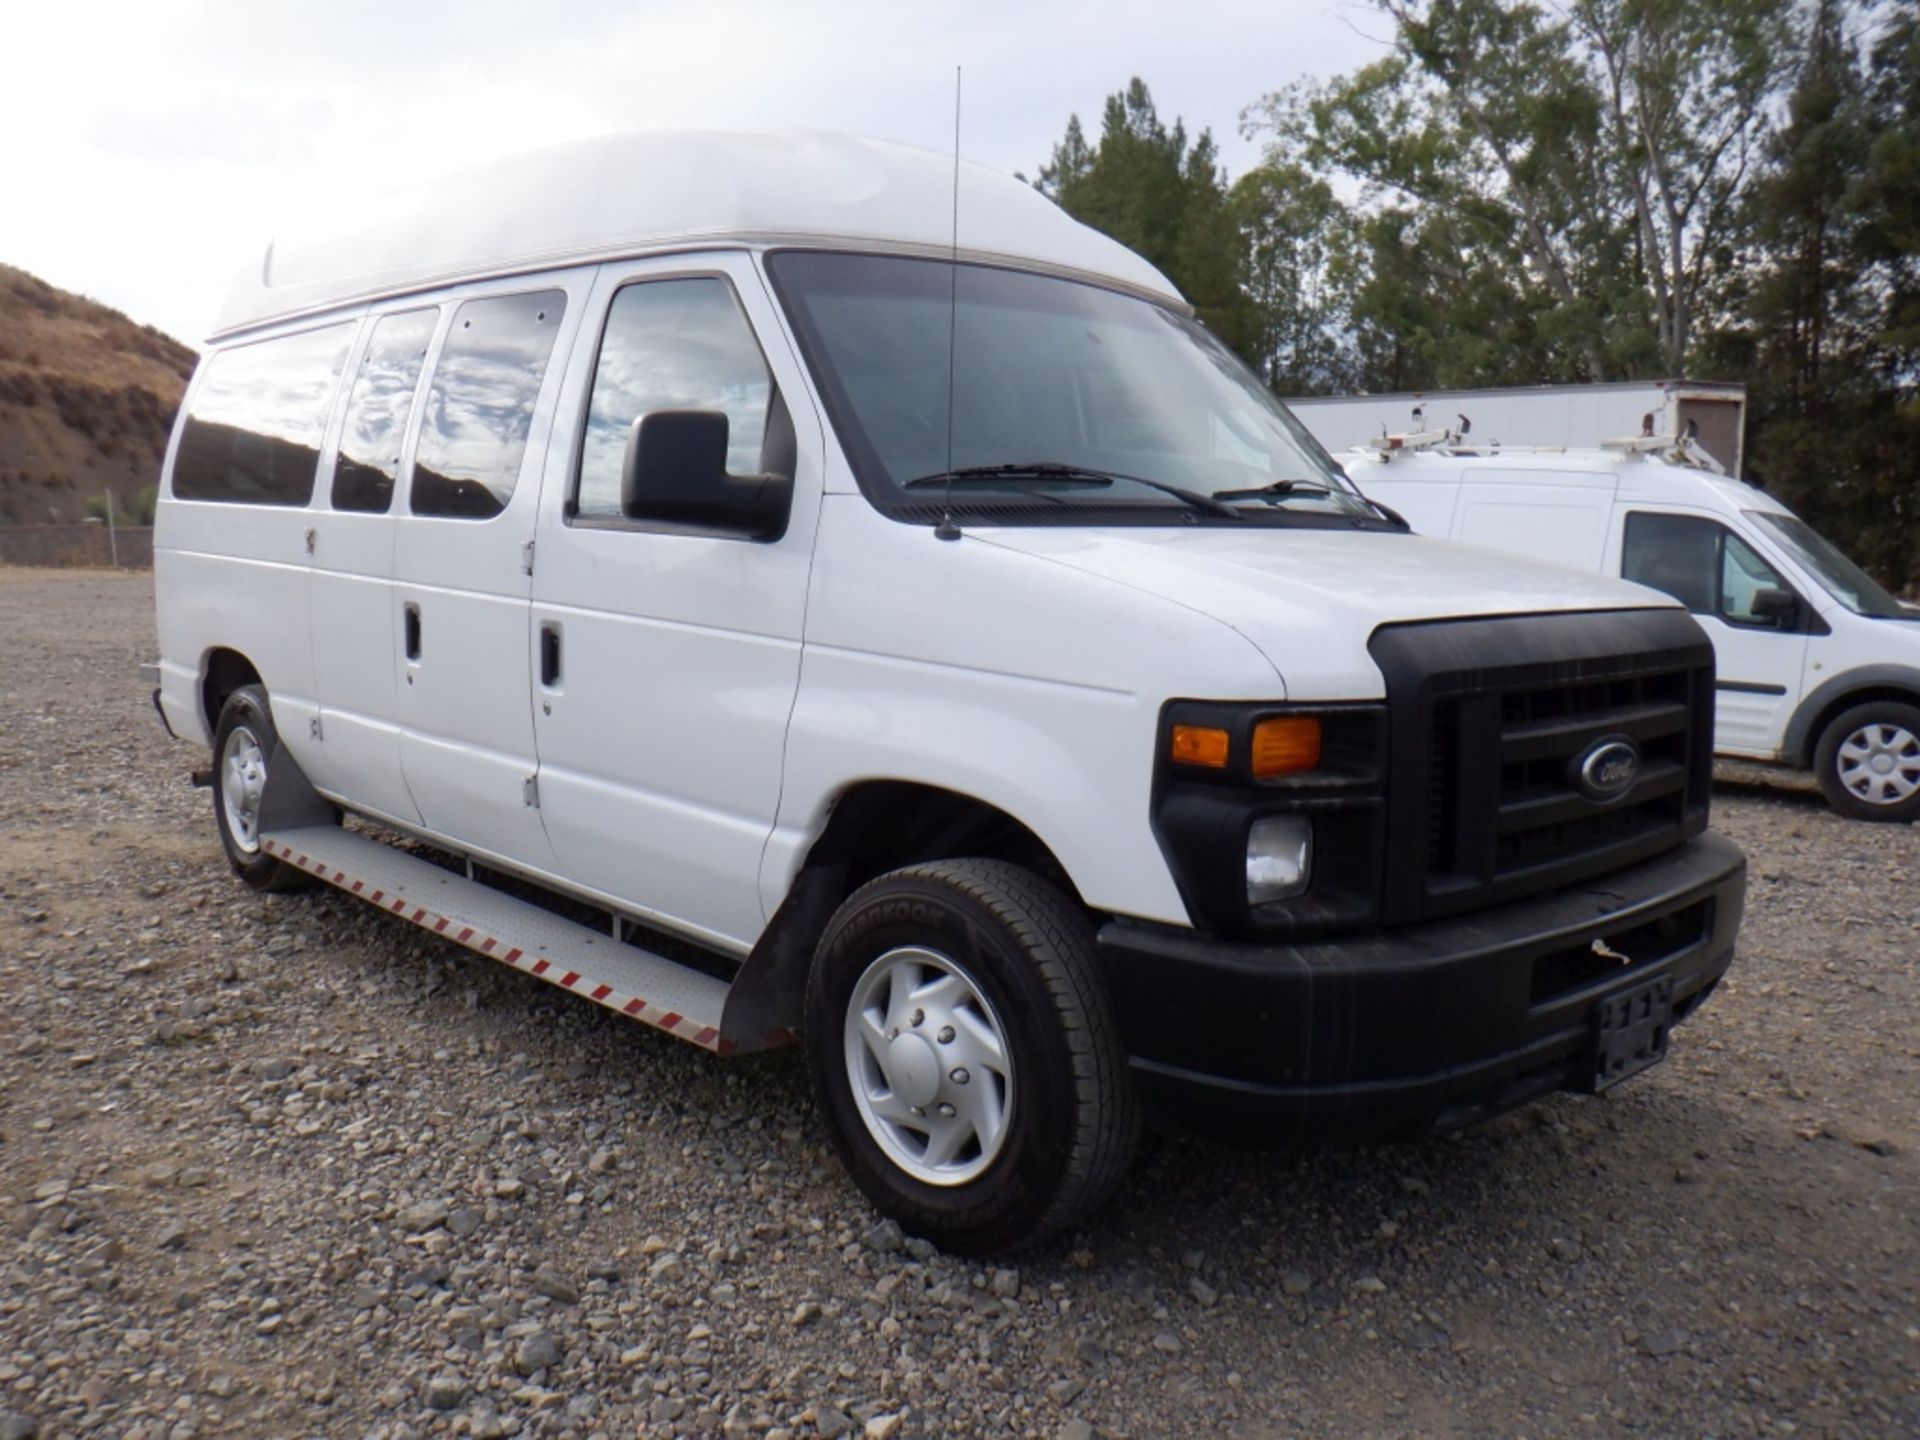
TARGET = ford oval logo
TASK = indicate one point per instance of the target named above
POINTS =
(1606, 769)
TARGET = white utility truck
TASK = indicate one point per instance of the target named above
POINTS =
(1710, 413)
(946, 642)
(1818, 667)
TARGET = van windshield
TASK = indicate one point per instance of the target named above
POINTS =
(1821, 558)
(1065, 399)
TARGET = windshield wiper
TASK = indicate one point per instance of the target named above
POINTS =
(1278, 490)
(1281, 489)
(1052, 471)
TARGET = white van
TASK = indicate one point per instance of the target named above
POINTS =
(1818, 666)
(688, 531)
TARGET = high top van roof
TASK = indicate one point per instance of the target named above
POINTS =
(622, 195)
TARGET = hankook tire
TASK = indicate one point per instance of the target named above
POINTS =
(965, 1055)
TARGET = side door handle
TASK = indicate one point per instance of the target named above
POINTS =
(549, 654)
(412, 614)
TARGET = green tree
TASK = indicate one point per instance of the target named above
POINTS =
(1826, 317)
(140, 509)
(1578, 168)
(1295, 238)
(1153, 191)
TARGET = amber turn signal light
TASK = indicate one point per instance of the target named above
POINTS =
(1284, 746)
(1199, 745)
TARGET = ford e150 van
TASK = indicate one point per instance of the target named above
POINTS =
(945, 643)
(1818, 666)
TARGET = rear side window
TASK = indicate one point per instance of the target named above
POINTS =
(377, 411)
(671, 345)
(480, 407)
(253, 436)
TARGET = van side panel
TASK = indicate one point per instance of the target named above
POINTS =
(355, 627)
(233, 578)
(230, 573)
(1026, 687)
(1425, 494)
(1559, 516)
(461, 563)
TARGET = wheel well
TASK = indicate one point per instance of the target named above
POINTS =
(1835, 708)
(882, 825)
(226, 671)
(877, 826)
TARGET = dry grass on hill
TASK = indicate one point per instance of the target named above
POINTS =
(86, 400)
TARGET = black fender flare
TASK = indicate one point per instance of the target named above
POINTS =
(1800, 732)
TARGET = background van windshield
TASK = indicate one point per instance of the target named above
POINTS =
(1044, 370)
(1843, 579)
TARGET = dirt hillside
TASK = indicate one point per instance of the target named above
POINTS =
(86, 400)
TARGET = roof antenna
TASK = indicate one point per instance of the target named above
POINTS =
(946, 529)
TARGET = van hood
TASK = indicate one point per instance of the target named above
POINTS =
(1309, 600)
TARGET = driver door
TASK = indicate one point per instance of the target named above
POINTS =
(1720, 578)
(669, 656)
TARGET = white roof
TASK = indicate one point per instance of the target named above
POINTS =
(628, 194)
(1638, 477)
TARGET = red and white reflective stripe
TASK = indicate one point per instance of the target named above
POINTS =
(634, 1006)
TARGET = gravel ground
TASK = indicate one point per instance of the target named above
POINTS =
(281, 1166)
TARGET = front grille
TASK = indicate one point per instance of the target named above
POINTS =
(1489, 719)
(1543, 818)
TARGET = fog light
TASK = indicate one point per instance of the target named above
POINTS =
(1279, 857)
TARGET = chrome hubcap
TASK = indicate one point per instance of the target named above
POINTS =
(1881, 764)
(929, 1065)
(243, 776)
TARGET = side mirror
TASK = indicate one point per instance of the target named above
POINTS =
(676, 473)
(1780, 606)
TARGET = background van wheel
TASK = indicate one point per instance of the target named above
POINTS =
(1868, 761)
(966, 1057)
(244, 742)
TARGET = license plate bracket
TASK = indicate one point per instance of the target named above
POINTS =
(1630, 1031)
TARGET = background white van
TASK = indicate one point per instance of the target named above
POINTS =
(1818, 667)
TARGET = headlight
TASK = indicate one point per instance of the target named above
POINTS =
(1279, 857)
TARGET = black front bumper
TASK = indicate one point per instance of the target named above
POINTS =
(1408, 1031)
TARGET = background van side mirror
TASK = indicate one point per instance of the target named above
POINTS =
(1780, 606)
(676, 473)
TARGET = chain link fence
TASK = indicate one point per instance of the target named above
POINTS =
(124, 547)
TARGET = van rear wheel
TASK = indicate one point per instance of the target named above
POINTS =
(244, 744)
(1868, 762)
(966, 1057)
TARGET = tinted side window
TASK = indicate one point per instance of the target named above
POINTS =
(480, 407)
(253, 436)
(1675, 553)
(377, 411)
(671, 345)
(1701, 563)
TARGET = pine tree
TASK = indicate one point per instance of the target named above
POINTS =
(1827, 334)
(1161, 196)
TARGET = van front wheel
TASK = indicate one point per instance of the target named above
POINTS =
(966, 1057)
(1868, 761)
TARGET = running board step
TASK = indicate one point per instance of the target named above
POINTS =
(636, 983)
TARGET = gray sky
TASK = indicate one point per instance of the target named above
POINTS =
(153, 145)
